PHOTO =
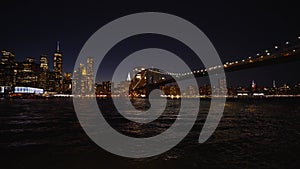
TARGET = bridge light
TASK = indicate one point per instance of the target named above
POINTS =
(287, 42)
(268, 54)
(294, 50)
(257, 54)
(249, 57)
(276, 47)
(236, 61)
(299, 37)
(243, 60)
(266, 51)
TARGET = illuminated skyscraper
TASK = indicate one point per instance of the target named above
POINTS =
(28, 73)
(82, 79)
(57, 63)
(67, 83)
(44, 63)
(43, 76)
(7, 68)
(90, 75)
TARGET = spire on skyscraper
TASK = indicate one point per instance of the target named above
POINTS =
(128, 77)
(57, 47)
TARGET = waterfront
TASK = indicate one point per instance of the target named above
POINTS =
(253, 133)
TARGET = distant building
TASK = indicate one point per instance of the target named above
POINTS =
(90, 75)
(43, 76)
(173, 90)
(28, 73)
(191, 91)
(57, 65)
(104, 88)
(7, 74)
(253, 85)
(67, 83)
(44, 63)
(83, 82)
(51, 82)
(82, 79)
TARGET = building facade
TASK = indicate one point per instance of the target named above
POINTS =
(57, 67)
(7, 68)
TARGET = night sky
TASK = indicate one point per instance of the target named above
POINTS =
(237, 30)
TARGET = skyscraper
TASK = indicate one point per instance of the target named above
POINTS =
(44, 63)
(7, 68)
(43, 76)
(57, 64)
(67, 83)
(28, 73)
(90, 75)
(82, 79)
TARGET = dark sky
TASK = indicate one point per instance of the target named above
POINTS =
(237, 29)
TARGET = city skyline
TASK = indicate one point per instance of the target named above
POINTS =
(149, 84)
(29, 73)
(236, 30)
(57, 67)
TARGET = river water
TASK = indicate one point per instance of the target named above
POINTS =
(253, 133)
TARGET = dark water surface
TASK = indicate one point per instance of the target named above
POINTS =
(253, 133)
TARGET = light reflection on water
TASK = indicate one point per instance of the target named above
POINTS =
(262, 133)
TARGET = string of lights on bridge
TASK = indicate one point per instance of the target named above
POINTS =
(267, 55)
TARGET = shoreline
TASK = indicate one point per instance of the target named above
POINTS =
(168, 97)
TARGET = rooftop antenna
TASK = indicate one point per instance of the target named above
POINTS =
(57, 47)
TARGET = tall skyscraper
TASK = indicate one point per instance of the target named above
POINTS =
(82, 79)
(57, 63)
(90, 75)
(7, 68)
(43, 76)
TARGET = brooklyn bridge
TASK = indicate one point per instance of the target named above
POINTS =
(154, 78)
